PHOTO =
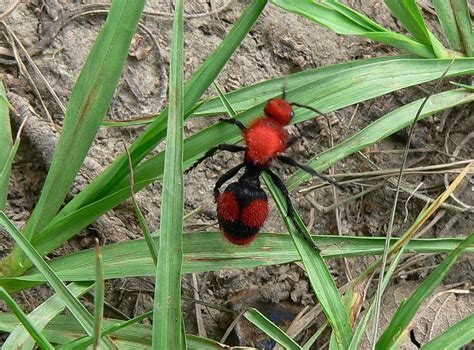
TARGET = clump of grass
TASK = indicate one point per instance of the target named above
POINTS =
(170, 254)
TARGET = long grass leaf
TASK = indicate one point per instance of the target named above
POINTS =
(167, 319)
(141, 218)
(5, 171)
(314, 337)
(6, 146)
(85, 341)
(35, 333)
(98, 296)
(272, 330)
(398, 327)
(344, 20)
(6, 141)
(445, 14)
(410, 16)
(464, 86)
(76, 308)
(118, 170)
(342, 88)
(64, 330)
(257, 94)
(209, 251)
(87, 107)
(40, 317)
(464, 24)
(455, 337)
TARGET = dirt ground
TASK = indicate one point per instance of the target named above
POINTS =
(279, 44)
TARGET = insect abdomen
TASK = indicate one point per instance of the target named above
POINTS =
(241, 211)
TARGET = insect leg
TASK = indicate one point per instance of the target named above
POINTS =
(295, 163)
(213, 150)
(233, 121)
(226, 177)
(290, 209)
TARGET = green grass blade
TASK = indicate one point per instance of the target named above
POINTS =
(271, 329)
(6, 141)
(318, 273)
(98, 296)
(398, 327)
(446, 17)
(464, 23)
(382, 128)
(370, 78)
(354, 16)
(156, 131)
(85, 341)
(64, 330)
(314, 337)
(5, 171)
(76, 308)
(209, 251)
(36, 334)
(90, 99)
(344, 20)
(409, 14)
(464, 86)
(6, 146)
(257, 94)
(339, 89)
(455, 337)
(346, 23)
(167, 325)
(40, 317)
(141, 218)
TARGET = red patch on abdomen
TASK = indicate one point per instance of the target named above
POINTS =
(255, 214)
(239, 241)
(265, 138)
(227, 207)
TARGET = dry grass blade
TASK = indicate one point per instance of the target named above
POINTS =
(378, 295)
(422, 218)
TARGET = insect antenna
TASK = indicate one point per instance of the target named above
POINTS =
(307, 107)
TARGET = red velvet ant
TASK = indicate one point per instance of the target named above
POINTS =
(243, 206)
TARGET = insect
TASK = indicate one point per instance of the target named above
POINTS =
(242, 207)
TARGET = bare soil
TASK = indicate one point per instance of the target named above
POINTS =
(279, 44)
